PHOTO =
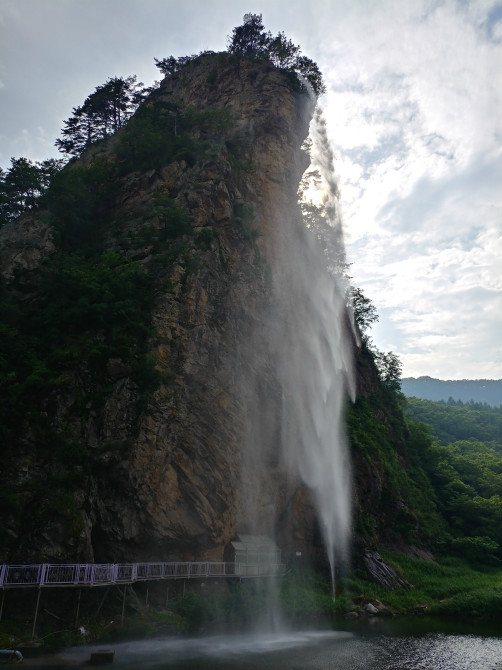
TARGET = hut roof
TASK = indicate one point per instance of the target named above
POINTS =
(255, 543)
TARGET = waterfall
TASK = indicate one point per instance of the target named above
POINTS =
(302, 354)
(316, 356)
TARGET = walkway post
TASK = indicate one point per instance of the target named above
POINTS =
(77, 612)
(101, 603)
(123, 604)
(36, 614)
(1, 604)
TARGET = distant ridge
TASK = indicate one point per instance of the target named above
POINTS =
(478, 390)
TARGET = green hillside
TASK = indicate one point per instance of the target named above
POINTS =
(453, 421)
(463, 461)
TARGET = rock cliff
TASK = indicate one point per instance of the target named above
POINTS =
(165, 470)
(150, 309)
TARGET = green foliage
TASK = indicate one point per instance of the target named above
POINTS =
(450, 587)
(210, 123)
(22, 187)
(250, 40)
(309, 70)
(102, 114)
(107, 294)
(475, 549)
(175, 220)
(453, 421)
(406, 500)
(466, 474)
(153, 139)
(283, 53)
(45, 498)
(243, 217)
(318, 220)
(161, 133)
(483, 603)
(302, 596)
(78, 202)
(238, 156)
(364, 310)
(389, 367)
(87, 310)
(467, 477)
(365, 431)
(460, 478)
(194, 609)
(171, 65)
(205, 237)
(55, 349)
(305, 596)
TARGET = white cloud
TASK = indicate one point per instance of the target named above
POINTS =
(414, 110)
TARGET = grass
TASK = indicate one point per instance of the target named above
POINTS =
(448, 587)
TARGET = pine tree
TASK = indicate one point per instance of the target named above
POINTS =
(23, 185)
(250, 39)
(102, 114)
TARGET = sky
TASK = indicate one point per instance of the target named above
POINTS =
(413, 107)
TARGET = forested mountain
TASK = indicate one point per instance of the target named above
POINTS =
(463, 461)
(476, 390)
(458, 421)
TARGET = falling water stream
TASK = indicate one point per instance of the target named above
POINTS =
(302, 353)
(316, 366)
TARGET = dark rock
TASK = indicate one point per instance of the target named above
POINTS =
(383, 573)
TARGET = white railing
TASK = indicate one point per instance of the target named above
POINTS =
(100, 574)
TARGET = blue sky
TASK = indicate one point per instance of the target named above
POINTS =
(413, 112)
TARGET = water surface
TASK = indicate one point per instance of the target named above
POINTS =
(377, 646)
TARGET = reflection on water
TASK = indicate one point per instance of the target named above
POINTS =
(382, 647)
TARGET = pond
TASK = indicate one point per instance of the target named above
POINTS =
(372, 644)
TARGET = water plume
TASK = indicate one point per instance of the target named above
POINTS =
(308, 346)
(316, 358)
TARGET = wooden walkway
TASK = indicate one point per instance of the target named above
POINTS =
(104, 574)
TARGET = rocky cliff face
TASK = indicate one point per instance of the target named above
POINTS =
(122, 447)
(167, 475)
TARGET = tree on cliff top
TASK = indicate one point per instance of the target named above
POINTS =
(24, 184)
(102, 114)
(250, 39)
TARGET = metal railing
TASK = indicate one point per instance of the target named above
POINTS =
(101, 574)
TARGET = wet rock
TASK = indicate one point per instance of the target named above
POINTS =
(372, 607)
(383, 573)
